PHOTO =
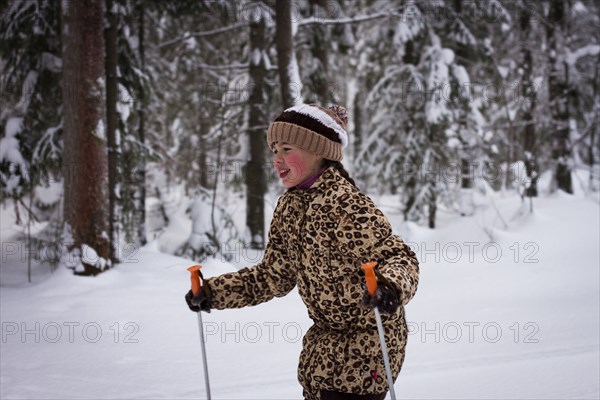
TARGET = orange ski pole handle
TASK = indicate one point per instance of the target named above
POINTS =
(370, 277)
(195, 278)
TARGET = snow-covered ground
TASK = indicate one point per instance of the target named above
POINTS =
(508, 306)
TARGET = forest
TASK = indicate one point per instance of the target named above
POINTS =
(111, 109)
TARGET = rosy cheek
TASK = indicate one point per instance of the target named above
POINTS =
(295, 164)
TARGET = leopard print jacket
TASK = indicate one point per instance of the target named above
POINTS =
(318, 239)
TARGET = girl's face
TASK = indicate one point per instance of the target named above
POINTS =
(293, 164)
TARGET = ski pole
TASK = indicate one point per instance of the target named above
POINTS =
(196, 288)
(372, 288)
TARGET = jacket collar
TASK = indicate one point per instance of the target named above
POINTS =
(322, 184)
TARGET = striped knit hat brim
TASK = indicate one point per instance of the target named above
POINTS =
(312, 128)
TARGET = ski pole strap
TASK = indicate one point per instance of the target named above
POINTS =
(370, 277)
(195, 278)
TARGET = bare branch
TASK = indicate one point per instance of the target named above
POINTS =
(343, 21)
(222, 67)
(204, 34)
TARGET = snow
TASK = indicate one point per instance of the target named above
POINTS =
(256, 56)
(579, 8)
(13, 126)
(125, 103)
(295, 80)
(100, 131)
(590, 50)
(89, 255)
(47, 145)
(176, 204)
(295, 17)
(266, 61)
(437, 81)
(461, 75)
(50, 193)
(9, 152)
(454, 143)
(410, 25)
(51, 62)
(503, 71)
(513, 318)
(191, 43)
(201, 223)
(447, 56)
(27, 90)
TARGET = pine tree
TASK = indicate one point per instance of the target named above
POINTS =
(425, 116)
(31, 64)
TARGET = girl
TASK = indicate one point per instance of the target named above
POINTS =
(323, 229)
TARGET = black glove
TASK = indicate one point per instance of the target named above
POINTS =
(385, 299)
(201, 302)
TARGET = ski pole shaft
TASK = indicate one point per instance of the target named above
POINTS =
(196, 288)
(204, 361)
(384, 350)
(371, 280)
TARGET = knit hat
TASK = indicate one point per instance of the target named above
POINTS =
(313, 128)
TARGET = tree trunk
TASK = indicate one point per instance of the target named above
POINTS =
(325, 89)
(531, 165)
(466, 180)
(358, 120)
(432, 209)
(257, 120)
(467, 203)
(529, 102)
(112, 88)
(558, 91)
(593, 177)
(205, 169)
(411, 197)
(285, 51)
(85, 159)
(140, 201)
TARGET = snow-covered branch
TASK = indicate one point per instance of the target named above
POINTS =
(588, 50)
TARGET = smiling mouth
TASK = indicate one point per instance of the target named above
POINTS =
(283, 173)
